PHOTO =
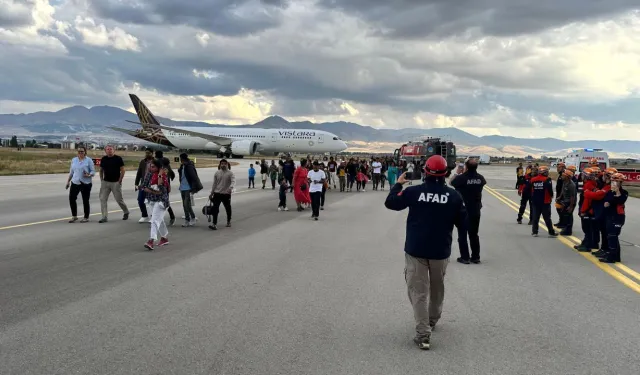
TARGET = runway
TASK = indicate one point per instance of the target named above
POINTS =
(278, 293)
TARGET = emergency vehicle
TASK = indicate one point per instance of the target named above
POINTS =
(419, 151)
(580, 158)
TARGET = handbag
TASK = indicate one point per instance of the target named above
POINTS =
(303, 187)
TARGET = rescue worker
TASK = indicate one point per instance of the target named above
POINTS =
(525, 194)
(470, 185)
(599, 217)
(541, 198)
(615, 215)
(586, 212)
(519, 176)
(434, 209)
(566, 202)
(560, 168)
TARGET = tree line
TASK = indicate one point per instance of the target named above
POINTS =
(13, 142)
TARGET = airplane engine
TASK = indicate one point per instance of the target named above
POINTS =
(244, 148)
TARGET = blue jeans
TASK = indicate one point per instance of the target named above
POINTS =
(143, 207)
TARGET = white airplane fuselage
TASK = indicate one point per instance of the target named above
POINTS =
(268, 140)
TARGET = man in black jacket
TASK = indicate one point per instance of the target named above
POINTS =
(189, 184)
(143, 168)
(434, 209)
(470, 185)
(560, 168)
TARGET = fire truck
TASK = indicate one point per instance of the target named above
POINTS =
(419, 151)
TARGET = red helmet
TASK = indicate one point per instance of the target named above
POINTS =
(436, 166)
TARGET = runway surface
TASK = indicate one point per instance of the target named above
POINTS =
(280, 294)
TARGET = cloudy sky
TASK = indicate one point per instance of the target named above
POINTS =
(567, 69)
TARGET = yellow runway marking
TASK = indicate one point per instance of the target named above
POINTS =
(95, 214)
(567, 241)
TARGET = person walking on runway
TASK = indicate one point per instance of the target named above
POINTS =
(189, 184)
(434, 209)
(155, 186)
(541, 198)
(470, 185)
(316, 179)
(143, 170)
(111, 176)
(224, 183)
(80, 182)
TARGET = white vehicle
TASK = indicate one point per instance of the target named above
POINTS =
(482, 159)
(580, 158)
(231, 140)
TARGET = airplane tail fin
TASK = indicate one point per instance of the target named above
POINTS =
(147, 119)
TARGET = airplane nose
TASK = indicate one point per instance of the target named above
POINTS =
(343, 145)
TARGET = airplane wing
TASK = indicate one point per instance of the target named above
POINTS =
(126, 131)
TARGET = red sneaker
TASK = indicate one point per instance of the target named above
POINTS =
(163, 241)
(149, 245)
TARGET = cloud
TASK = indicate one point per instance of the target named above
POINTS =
(516, 68)
(99, 35)
(443, 18)
(226, 17)
(14, 14)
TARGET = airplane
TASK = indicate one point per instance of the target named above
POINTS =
(231, 141)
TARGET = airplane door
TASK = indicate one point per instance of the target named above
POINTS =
(321, 138)
(274, 137)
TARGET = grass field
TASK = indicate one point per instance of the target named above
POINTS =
(43, 161)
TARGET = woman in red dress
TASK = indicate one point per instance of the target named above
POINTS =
(301, 185)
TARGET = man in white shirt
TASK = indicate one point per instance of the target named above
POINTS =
(409, 174)
(377, 169)
(316, 181)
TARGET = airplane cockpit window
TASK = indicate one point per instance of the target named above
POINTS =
(335, 138)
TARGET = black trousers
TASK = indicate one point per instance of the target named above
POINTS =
(523, 206)
(289, 181)
(561, 216)
(376, 180)
(473, 227)
(324, 192)
(544, 211)
(315, 203)
(566, 219)
(225, 199)
(587, 240)
(614, 227)
(85, 191)
(283, 200)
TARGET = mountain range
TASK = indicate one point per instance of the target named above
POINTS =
(93, 122)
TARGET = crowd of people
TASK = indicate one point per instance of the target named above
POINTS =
(597, 194)
(308, 181)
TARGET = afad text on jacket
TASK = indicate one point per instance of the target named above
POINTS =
(542, 190)
(434, 209)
